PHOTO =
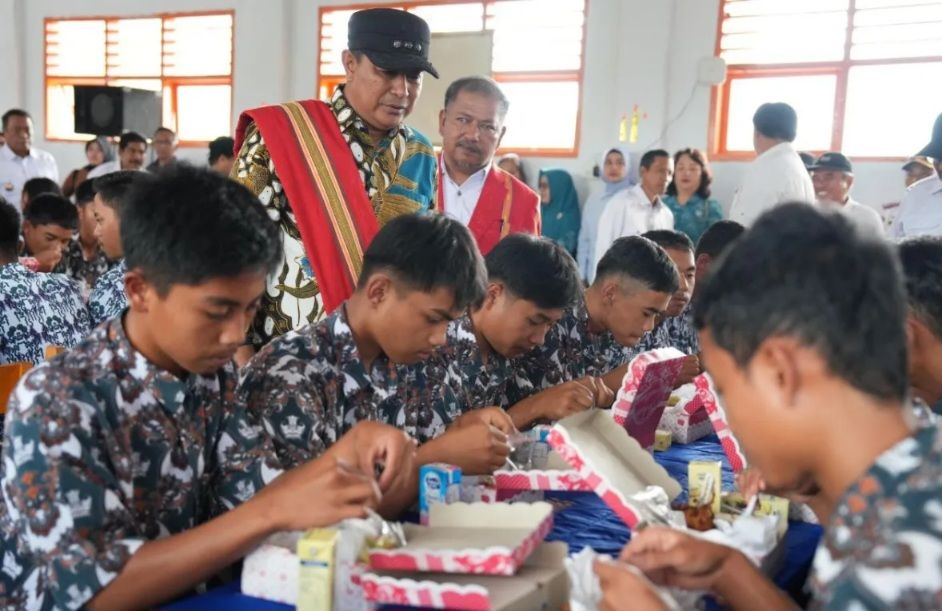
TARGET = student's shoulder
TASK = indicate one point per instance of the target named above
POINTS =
(307, 348)
(59, 284)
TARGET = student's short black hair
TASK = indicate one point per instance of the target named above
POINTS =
(34, 187)
(806, 274)
(190, 225)
(51, 209)
(535, 269)
(129, 137)
(669, 239)
(649, 157)
(718, 237)
(113, 188)
(84, 193)
(425, 253)
(14, 112)
(776, 120)
(922, 269)
(9, 229)
(641, 260)
(221, 147)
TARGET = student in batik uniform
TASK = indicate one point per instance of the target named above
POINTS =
(802, 329)
(36, 309)
(633, 285)
(922, 268)
(74, 263)
(130, 472)
(47, 230)
(108, 298)
(310, 386)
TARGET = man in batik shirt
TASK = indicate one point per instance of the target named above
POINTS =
(130, 471)
(802, 329)
(83, 259)
(311, 385)
(633, 285)
(36, 309)
(108, 299)
(332, 175)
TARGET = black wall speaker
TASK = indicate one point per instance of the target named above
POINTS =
(111, 111)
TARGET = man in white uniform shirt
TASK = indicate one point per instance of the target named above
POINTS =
(777, 176)
(920, 212)
(833, 176)
(639, 209)
(19, 160)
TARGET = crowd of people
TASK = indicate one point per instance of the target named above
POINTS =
(280, 340)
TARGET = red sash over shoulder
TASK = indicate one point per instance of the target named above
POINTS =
(321, 179)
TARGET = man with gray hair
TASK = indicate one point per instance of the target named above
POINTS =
(471, 188)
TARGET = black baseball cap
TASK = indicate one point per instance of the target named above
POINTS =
(833, 161)
(934, 148)
(394, 40)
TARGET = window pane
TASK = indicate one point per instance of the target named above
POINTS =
(204, 111)
(533, 107)
(452, 17)
(198, 46)
(911, 31)
(533, 35)
(60, 113)
(759, 32)
(812, 97)
(871, 128)
(736, 8)
(134, 47)
(75, 48)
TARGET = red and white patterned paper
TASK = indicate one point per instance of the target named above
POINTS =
(271, 571)
(644, 392)
(687, 421)
(385, 590)
(535, 479)
(707, 395)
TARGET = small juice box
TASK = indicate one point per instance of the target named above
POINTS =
(662, 440)
(438, 483)
(316, 572)
(699, 472)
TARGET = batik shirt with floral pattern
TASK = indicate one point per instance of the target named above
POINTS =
(672, 332)
(309, 387)
(398, 175)
(85, 273)
(38, 310)
(569, 352)
(108, 298)
(883, 546)
(103, 452)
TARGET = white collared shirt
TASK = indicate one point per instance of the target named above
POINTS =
(630, 212)
(461, 200)
(107, 167)
(920, 212)
(16, 170)
(867, 220)
(777, 176)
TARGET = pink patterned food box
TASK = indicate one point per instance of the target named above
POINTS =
(645, 391)
(541, 583)
(471, 538)
(556, 474)
(610, 462)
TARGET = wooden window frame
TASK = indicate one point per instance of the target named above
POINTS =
(171, 82)
(501, 77)
(719, 100)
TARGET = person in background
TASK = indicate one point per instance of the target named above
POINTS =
(614, 174)
(132, 148)
(97, 151)
(833, 176)
(922, 272)
(221, 155)
(48, 226)
(807, 159)
(19, 159)
(640, 208)
(777, 175)
(165, 147)
(920, 212)
(513, 165)
(36, 309)
(34, 187)
(688, 194)
(84, 259)
(559, 208)
(917, 168)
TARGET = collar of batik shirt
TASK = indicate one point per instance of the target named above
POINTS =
(383, 374)
(352, 124)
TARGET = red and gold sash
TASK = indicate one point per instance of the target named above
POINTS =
(321, 179)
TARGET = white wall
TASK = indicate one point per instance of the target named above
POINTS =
(637, 52)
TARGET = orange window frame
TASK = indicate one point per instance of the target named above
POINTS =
(719, 100)
(171, 82)
(329, 81)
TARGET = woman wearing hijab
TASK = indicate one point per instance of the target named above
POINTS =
(614, 174)
(559, 208)
(97, 151)
(688, 194)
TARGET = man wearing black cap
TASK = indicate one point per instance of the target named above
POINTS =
(833, 175)
(331, 174)
(777, 175)
(920, 212)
